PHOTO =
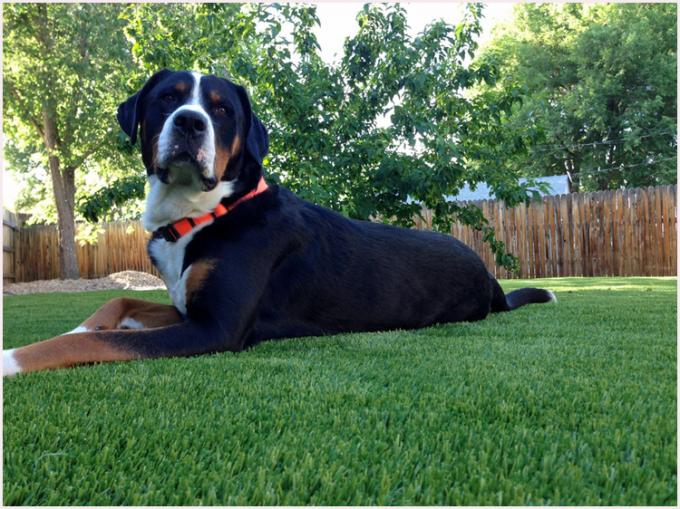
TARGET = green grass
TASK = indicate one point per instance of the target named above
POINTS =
(573, 403)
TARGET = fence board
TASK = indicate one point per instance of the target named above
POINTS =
(553, 253)
(668, 228)
(10, 229)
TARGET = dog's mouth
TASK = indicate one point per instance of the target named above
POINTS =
(184, 166)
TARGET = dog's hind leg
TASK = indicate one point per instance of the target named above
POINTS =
(124, 313)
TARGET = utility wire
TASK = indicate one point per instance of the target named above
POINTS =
(544, 148)
(621, 167)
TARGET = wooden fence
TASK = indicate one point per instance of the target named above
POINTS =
(10, 231)
(121, 246)
(615, 233)
(611, 233)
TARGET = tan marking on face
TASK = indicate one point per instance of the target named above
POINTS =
(199, 272)
(69, 350)
(182, 86)
(215, 97)
(236, 145)
(223, 155)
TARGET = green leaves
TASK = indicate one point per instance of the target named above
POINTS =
(390, 127)
(70, 60)
(597, 90)
(98, 204)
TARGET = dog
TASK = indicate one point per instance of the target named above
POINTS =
(244, 261)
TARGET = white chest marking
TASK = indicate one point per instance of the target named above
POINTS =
(166, 204)
(169, 258)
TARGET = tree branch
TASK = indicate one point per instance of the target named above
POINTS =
(84, 57)
(91, 150)
(21, 105)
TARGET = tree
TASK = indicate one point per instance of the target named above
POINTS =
(382, 133)
(379, 134)
(62, 64)
(596, 94)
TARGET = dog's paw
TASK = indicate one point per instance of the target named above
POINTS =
(10, 366)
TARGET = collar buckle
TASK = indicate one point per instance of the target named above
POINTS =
(169, 233)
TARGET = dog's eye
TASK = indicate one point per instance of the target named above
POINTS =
(168, 98)
(222, 110)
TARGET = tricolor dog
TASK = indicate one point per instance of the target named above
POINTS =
(244, 261)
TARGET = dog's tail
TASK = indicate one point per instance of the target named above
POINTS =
(517, 298)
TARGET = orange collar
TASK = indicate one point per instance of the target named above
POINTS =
(174, 231)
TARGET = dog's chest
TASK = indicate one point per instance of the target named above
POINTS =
(168, 257)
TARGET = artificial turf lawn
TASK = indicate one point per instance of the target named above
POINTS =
(573, 403)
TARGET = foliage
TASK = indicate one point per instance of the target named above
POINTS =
(61, 63)
(377, 134)
(118, 193)
(398, 122)
(87, 61)
(597, 89)
(523, 408)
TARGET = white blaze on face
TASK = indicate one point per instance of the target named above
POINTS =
(196, 91)
(206, 153)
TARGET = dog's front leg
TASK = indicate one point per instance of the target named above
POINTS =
(120, 313)
(221, 308)
(182, 339)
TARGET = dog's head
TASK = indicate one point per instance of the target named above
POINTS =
(196, 130)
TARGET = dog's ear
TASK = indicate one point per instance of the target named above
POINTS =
(257, 139)
(130, 112)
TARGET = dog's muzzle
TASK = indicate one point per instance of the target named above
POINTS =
(185, 155)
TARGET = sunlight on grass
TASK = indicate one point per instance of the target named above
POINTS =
(643, 284)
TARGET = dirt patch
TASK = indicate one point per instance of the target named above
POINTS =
(126, 280)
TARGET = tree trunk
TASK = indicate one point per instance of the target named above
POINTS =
(63, 181)
(63, 184)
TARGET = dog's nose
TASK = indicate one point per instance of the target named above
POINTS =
(189, 122)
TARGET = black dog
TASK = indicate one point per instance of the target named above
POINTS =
(246, 262)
